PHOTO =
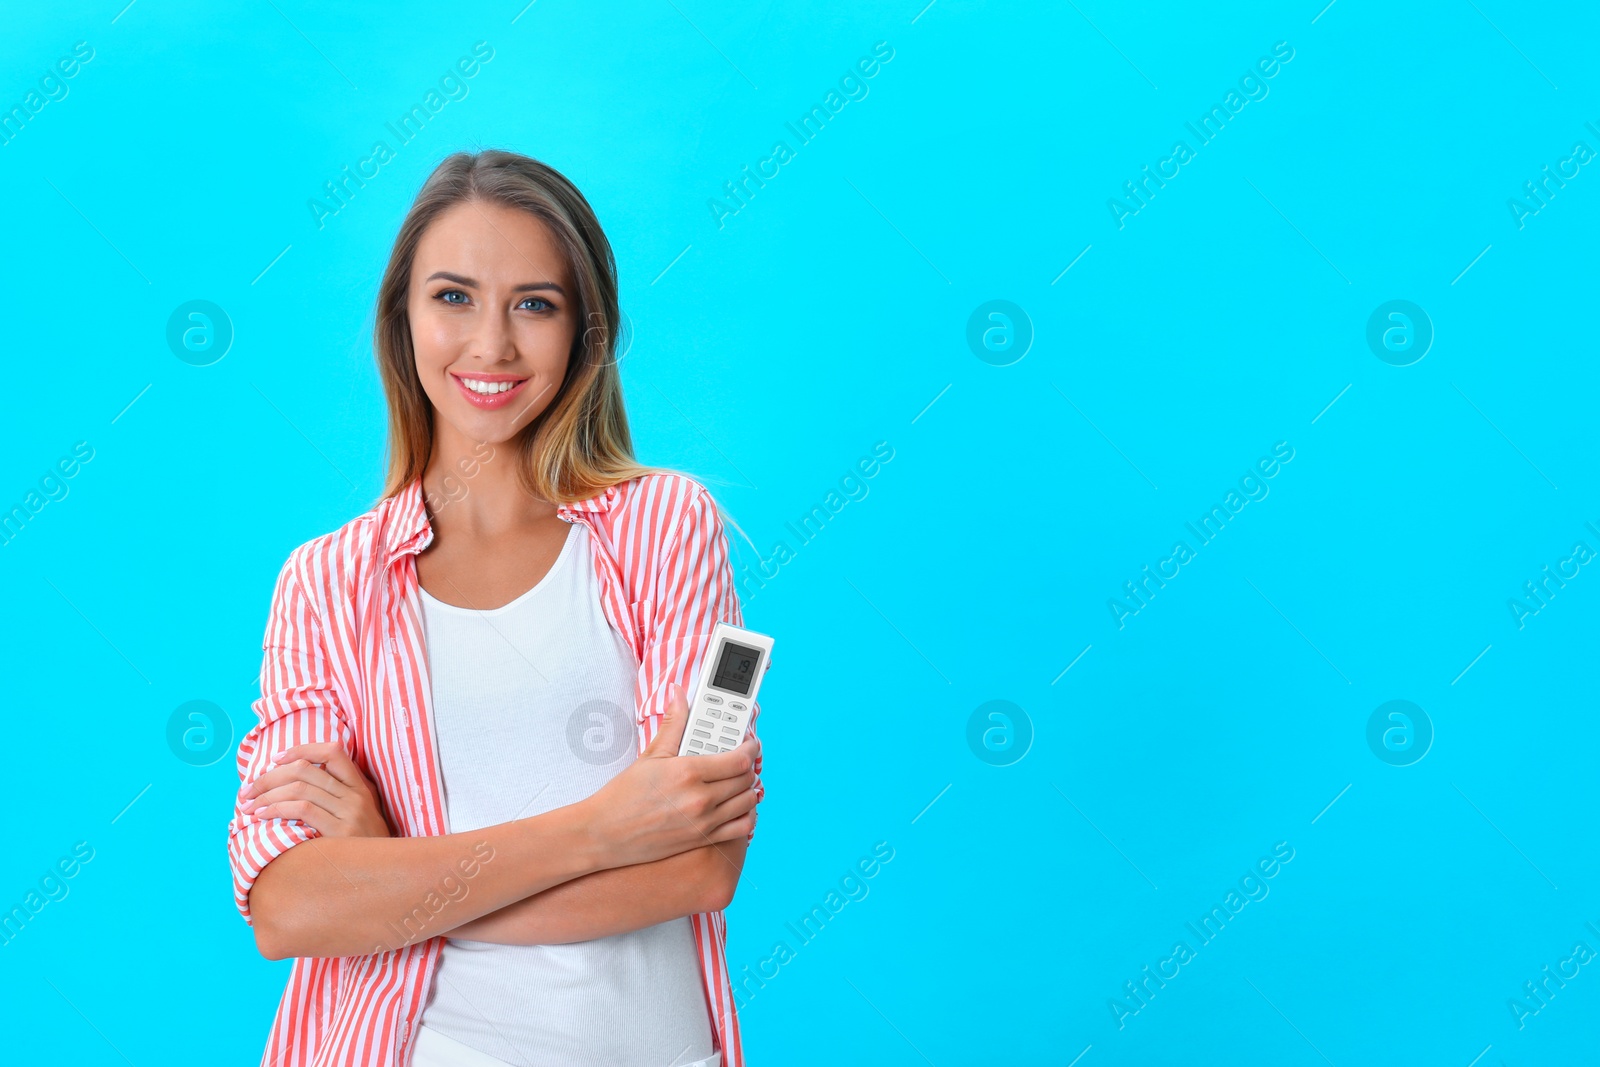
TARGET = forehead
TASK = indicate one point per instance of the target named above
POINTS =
(490, 243)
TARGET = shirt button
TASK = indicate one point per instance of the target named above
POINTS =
(405, 716)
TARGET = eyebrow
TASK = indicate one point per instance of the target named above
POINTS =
(470, 283)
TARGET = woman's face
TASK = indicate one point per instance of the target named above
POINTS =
(491, 321)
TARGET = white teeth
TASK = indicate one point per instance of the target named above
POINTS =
(487, 388)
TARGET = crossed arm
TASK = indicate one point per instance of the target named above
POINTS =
(617, 900)
(320, 785)
(664, 839)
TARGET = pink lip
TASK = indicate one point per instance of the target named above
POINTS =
(497, 400)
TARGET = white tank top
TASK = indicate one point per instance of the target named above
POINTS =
(533, 709)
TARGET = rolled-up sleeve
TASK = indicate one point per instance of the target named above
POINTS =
(299, 704)
(693, 591)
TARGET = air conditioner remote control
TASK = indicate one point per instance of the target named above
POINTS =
(722, 699)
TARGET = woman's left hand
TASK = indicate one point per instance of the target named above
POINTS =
(320, 785)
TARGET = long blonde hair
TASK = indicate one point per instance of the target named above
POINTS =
(580, 444)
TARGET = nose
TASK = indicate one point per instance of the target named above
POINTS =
(490, 339)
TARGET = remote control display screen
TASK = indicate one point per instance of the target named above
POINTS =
(736, 669)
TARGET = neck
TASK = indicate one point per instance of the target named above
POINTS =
(472, 486)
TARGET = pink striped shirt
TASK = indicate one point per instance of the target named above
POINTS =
(344, 660)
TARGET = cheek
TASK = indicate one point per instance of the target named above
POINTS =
(432, 336)
(546, 342)
(546, 352)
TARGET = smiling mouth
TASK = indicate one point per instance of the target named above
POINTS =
(489, 393)
(490, 388)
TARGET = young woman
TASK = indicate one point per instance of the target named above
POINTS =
(461, 812)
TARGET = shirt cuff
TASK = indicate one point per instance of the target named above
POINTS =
(257, 843)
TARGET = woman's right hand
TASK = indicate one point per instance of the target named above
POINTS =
(663, 804)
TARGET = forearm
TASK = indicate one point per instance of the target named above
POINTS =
(350, 896)
(617, 900)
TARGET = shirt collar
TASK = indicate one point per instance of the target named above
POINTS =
(409, 531)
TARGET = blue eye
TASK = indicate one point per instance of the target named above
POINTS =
(444, 296)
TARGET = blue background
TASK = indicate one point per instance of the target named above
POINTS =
(770, 354)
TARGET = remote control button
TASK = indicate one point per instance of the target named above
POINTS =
(704, 724)
(714, 713)
(735, 705)
(712, 698)
(694, 744)
(702, 733)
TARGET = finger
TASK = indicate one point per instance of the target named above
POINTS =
(734, 829)
(287, 765)
(299, 791)
(297, 771)
(331, 754)
(735, 806)
(302, 810)
(670, 736)
(725, 789)
(719, 765)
